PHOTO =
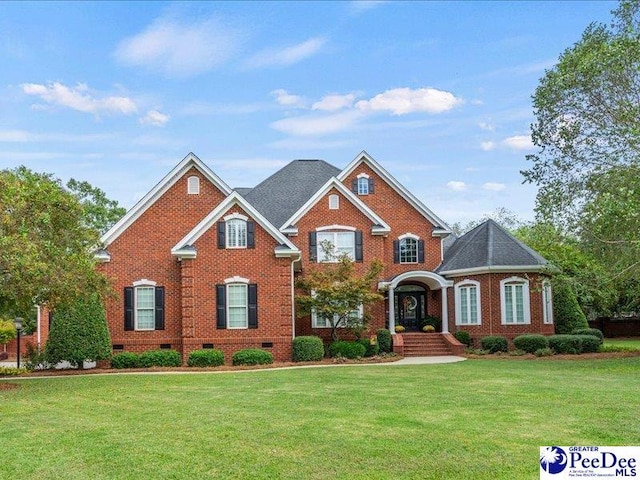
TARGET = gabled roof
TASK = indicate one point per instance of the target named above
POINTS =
(489, 247)
(282, 194)
(156, 192)
(185, 247)
(363, 157)
(379, 225)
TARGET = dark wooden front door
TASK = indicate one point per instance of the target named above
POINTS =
(411, 309)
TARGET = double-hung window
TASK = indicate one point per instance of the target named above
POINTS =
(514, 293)
(332, 245)
(318, 321)
(144, 306)
(408, 250)
(237, 308)
(363, 186)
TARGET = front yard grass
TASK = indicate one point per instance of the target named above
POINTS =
(471, 420)
(630, 344)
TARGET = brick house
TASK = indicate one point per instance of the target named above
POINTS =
(197, 264)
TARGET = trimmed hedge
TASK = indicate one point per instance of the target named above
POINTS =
(371, 350)
(207, 357)
(463, 337)
(125, 360)
(531, 343)
(347, 349)
(589, 331)
(385, 343)
(590, 343)
(494, 344)
(159, 358)
(565, 344)
(308, 349)
(252, 356)
(12, 371)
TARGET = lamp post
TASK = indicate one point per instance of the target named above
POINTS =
(18, 324)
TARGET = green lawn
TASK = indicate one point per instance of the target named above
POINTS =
(626, 343)
(478, 419)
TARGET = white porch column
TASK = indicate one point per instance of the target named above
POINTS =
(445, 311)
(392, 311)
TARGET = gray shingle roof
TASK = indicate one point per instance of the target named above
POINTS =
(243, 190)
(488, 245)
(278, 197)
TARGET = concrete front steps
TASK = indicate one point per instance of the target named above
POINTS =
(420, 344)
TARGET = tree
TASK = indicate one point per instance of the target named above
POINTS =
(334, 291)
(7, 332)
(79, 332)
(99, 212)
(45, 244)
(567, 315)
(505, 217)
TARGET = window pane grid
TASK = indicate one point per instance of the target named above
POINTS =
(342, 243)
(408, 250)
(236, 233)
(363, 186)
(145, 308)
(237, 306)
(468, 305)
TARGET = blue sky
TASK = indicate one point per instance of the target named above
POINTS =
(439, 93)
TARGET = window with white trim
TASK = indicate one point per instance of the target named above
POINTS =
(193, 185)
(340, 242)
(323, 322)
(514, 296)
(237, 306)
(363, 186)
(236, 233)
(547, 302)
(467, 297)
(145, 307)
(408, 250)
(334, 202)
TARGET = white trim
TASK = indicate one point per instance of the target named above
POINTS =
(409, 235)
(334, 231)
(526, 305)
(235, 216)
(246, 304)
(102, 256)
(239, 239)
(397, 186)
(158, 190)
(335, 227)
(334, 201)
(236, 199)
(440, 282)
(362, 175)
(379, 225)
(458, 302)
(236, 279)
(494, 269)
(193, 185)
(144, 282)
(547, 297)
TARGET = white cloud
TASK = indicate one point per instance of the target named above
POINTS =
(155, 118)
(360, 6)
(493, 186)
(489, 127)
(488, 146)
(285, 99)
(180, 49)
(316, 125)
(456, 186)
(14, 136)
(331, 103)
(518, 142)
(287, 55)
(400, 101)
(79, 98)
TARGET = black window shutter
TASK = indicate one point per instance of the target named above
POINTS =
(251, 241)
(252, 303)
(354, 185)
(313, 247)
(222, 239)
(128, 308)
(396, 251)
(371, 186)
(159, 308)
(420, 251)
(221, 306)
(358, 246)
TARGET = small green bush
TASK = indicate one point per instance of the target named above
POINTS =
(589, 331)
(347, 349)
(531, 343)
(371, 350)
(517, 353)
(435, 322)
(252, 356)
(385, 343)
(308, 349)
(590, 343)
(463, 337)
(125, 360)
(159, 358)
(36, 358)
(208, 357)
(543, 352)
(494, 344)
(565, 344)
(12, 371)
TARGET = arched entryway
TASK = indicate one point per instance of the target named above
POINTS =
(411, 305)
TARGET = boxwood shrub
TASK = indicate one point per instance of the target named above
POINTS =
(463, 337)
(384, 341)
(565, 343)
(589, 331)
(347, 349)
(371, 350)
(159, 358)
(494, 344)
(531, 343)
(590, 343)
(308, 349)
(125, 360)
(252, 356)
(207, 357)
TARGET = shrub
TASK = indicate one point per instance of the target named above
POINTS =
(543, 352)
(159, 358)
(589, 331)
(590, 343)
(516, 353)
(308, 349)
(435, 322)
(12, 371)
(208, 357)
(494, 344)
(36, 358)
(463, 337)
(384, 340)
(399, 328)
(7, 331)
(371, 346)
(531, 343)
(566, 312)
(347, 349)
(252, 356)
(429, 328)
(565, 343)
(124, 360)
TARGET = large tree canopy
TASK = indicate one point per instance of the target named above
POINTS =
(99, 212)
(46, 243)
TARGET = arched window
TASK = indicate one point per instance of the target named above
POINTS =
(514, 300)
(334, 202)
(467, 297)
(363, 186)
(236, 229)
(408, 248)
(193, 185)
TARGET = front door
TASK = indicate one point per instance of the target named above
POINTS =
(410, 309)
